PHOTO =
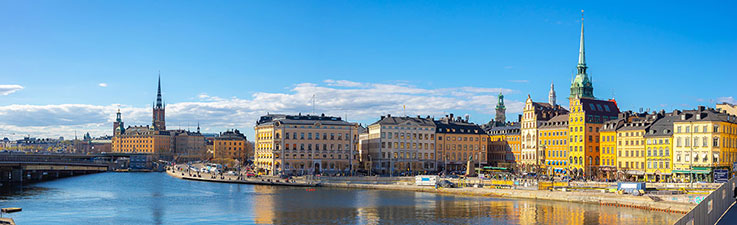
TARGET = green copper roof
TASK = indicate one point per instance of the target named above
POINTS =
(500, 104)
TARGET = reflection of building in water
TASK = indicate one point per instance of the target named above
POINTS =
(263, 204)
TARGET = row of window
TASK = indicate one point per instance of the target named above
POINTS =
(408, 136)
(317, 136)
(409, 155)
(403, 145)
(317, 147)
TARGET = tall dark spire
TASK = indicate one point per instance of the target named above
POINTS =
(158, 93)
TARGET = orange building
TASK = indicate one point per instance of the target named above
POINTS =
(230, 145)
(140, 139)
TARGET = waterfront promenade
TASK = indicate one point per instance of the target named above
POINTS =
(663, 203)
(183, 173)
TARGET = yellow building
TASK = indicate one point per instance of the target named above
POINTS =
(631, 148)
(704, 142)
(659, 144)
(554, 144)
(458, 141)
(608, 146)
(584, 125)
(142, 139)
(585, 120)
(230, 145)
(305, 144)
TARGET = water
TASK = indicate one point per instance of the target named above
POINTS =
(156, 198)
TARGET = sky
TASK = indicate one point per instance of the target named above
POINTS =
(66, 66)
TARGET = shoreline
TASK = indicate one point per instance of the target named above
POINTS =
(653, 203)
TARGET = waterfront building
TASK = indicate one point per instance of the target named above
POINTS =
(177, 145)
(305, 144)
(458, 142)
(188, 146)
(631, 147)
(554, 144)
(402, 144)
(586, 119)
(704, 141)
(143, 139)
(507, 137)
(230, 144)
(608, 146)
(533, 114)
(659, 144)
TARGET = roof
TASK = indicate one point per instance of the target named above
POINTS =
(393, 120)
(662, 127)
(559, 121)
(457, 127)
(301, 119)
(599, 107)
(510, 128)
(704, 114)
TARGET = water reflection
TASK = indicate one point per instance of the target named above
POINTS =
(340, 206)
(155, 198)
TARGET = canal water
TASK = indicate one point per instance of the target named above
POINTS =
(156, 198)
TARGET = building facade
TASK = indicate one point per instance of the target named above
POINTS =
(554, 144)
(459, 142)
(230, 144)
(704, 141)
(401, 145)
(659, 144)
(309, 144)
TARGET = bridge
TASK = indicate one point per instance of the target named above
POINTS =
(17, 168)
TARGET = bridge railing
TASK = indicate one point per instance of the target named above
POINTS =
(712, 207)
(5, 157)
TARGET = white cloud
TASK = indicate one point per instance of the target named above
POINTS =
(729, 99)
(102, 84)
(362, 103)
(6, 89)
(343, 83)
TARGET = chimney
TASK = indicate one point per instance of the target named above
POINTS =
(451, 116)
(388, 115)
(467, 117)
(701, 108)
(382, 117)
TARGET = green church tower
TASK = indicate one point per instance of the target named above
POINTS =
(581, 87)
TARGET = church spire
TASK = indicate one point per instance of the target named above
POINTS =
(581, 51)
(158, 93)
(581, 87)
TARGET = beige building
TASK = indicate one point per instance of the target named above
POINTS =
(305, 144)
(727, 108)
(534, 114)
(401, 145)
(704, 141)
(189, 146)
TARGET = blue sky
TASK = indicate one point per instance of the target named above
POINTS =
(65, 66)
